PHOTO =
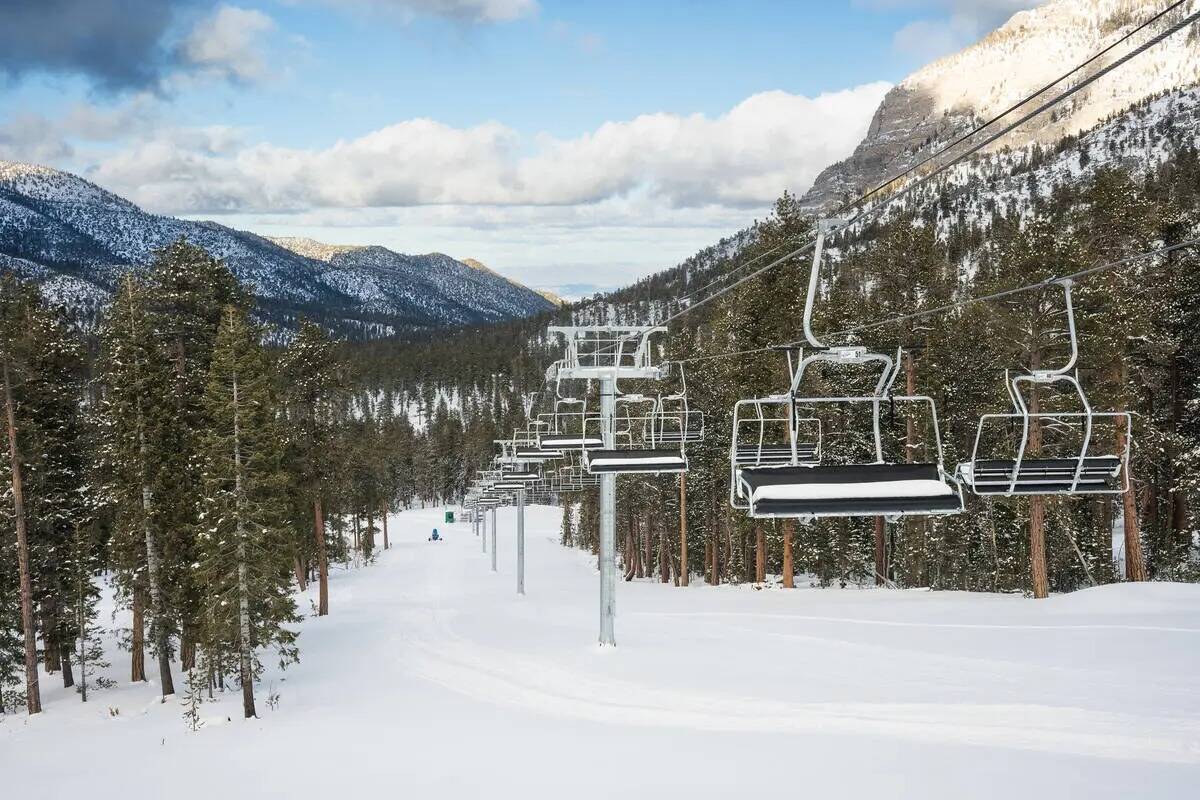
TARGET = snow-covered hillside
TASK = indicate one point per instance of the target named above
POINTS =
(54, 225)
(431, 678)
(946, 98)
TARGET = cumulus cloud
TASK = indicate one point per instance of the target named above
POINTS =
(228, 43)
(116, 43)
(744, 158)
(475, 11)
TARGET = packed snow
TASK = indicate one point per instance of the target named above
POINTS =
(432, 678)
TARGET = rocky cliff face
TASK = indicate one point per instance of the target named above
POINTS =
(947, 98)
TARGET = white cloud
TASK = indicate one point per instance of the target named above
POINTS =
(956, 24)
(477, 11)
(229, 44)
(744, 158)
(32, 138)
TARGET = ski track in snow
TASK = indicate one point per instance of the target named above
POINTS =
(496, 676)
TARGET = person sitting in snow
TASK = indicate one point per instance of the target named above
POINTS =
(435, 537)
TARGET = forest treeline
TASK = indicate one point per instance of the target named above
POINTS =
(173, 456)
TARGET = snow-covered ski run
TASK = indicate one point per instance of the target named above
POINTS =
(432, 678)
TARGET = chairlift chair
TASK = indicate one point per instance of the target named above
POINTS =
(637, 446)
(566, 429)
(814, 489)
(1070, 469)
(674, 422)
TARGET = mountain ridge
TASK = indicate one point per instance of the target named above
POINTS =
(75, 238)
(948, 97)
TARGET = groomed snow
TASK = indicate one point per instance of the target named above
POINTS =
(432, 679)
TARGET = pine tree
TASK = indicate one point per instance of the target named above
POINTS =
(311, 380)
(244, 538)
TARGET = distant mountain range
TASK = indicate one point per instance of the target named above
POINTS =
(76, 239)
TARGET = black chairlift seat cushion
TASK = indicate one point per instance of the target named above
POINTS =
(568, 442)
(775, 453)
(689, 436)
(848, 490)
(1044, 475)
(538, 453)
(633, 461)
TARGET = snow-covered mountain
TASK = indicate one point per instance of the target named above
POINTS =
(76, 238)
(941, 101)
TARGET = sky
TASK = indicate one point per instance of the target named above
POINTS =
(568, 145)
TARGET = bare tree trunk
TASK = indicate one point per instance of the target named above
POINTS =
(137, 638)
(881, 564)
(789, 566)
(301, 580)
(383, 513)
(158, 624)
(648, 554)
(245, 644)
(683, 550)
(1037, 547)
(64, 661)
(1037, 504)
(322, 559)
(664, 554)
(33, 695)
(369, 535)
(187, 651)
(760, 554)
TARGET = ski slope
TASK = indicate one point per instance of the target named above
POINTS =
(431, 678)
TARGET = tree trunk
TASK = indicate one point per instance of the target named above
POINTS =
(187, 651)
(683, 550)
(33, 695)
(369, 536)
(708, 562)
(1037, 504)
(1037, 547)
(245, 643)
(1135, 562)
(789, 567)
(664, 553)
(298, 568)
(64, 661)
(383, 513)
(760, 554)
(137, 638)
(322, 559)
(881, 565)
(158, 623)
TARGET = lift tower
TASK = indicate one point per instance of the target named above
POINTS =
(606, 353)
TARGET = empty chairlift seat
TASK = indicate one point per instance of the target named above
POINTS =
(771, 454)
(635, 461)
(888, 490)
(1044, 475)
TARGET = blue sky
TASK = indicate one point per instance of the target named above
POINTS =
(562, 143)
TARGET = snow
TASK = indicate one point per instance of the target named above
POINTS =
(860, 489)
(616, 461)
(431, 678)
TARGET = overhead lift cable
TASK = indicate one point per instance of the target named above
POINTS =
(987, 298)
